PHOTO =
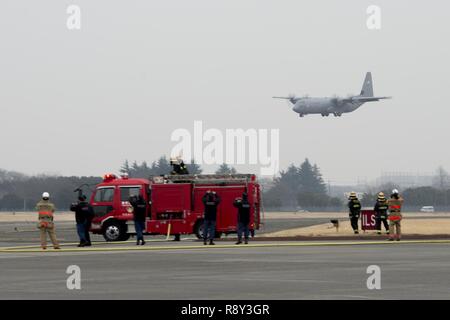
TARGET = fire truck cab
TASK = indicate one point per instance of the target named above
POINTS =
(174, 204)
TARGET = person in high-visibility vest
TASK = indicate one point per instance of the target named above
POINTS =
(46, 209)
(395, 216)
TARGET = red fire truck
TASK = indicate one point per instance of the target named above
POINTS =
(174, 204)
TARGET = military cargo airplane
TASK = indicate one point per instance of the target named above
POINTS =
(333, 105)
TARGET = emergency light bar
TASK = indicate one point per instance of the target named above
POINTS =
(109, 177)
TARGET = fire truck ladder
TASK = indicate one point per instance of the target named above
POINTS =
(220, 179)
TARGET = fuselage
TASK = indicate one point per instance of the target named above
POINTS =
(324, 106)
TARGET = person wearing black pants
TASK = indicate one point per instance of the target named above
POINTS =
(139, 215)
(381, 213)
(354, 206)
(243, 207)
(84, 213)
(88, 222)
(211, 201)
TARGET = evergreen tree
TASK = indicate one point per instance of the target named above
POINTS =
(125, 169)
(285, 189)
(161, 166)
(134, 169)
(193, 168)
(226, 169)
(300, 186)
(290, 178)
(320, 184)
(311, 179)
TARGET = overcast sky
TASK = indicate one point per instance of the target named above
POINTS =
(80, 102)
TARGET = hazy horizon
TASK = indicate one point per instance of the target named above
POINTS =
(82, 102)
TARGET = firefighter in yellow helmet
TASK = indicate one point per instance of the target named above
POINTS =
(381, 213)
(395, 204)
(354, 206)
(46, 209)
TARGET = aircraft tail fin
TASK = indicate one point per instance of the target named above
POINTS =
(367, 88)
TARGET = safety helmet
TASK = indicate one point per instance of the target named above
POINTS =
(380, 195)
(353, 194)
(395, 191)
(45, 195)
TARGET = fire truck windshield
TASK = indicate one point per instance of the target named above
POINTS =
(104, 195)
(128, 191)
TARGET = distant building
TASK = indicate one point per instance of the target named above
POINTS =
(406, 179)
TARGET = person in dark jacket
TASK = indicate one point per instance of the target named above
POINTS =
(211, 201)
(243, 207)
(381, 213)
(178, 167)
(84, 214)
(139, 214)
(354, 206)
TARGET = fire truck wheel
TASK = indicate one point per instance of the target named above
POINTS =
(115, 231)
(198, 229)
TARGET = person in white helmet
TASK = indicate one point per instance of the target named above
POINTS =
(395, 204)
(46, 209)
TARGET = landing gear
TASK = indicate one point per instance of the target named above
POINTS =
(324, 114)
(301, 115)
(337, 114)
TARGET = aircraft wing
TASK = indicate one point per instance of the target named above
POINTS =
(293, 99)
(364, 99)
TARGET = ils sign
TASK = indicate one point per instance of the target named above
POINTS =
(368, 220)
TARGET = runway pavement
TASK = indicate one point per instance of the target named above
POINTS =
(265, 270)
(26, 233)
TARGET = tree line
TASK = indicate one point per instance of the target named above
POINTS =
(162, 166)
(22, 193)
(19, 192)
(300, 187)
(297, 187)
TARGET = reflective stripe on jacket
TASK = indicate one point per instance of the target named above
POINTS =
(45, 209)
(395, 208)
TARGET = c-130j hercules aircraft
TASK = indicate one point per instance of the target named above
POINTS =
(334, 105)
